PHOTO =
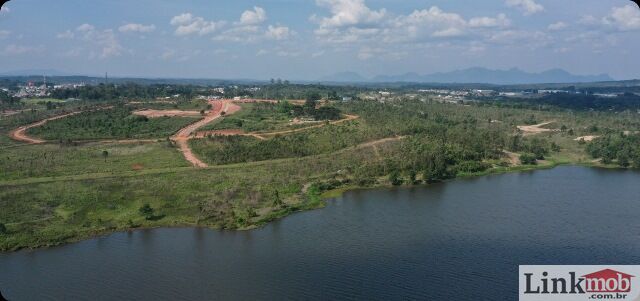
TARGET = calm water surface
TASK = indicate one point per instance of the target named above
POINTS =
(461, 240)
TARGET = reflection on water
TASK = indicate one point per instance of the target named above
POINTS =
(454, 241)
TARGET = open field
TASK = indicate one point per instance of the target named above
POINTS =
(54, 193)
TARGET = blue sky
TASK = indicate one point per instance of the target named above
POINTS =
(308, 39)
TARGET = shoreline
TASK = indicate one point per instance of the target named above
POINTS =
(318, 201)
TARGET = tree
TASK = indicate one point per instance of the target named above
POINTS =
(277, 201)
(147, 211)
(394, 178)
(105, 154)
(528, 159)
(412, 176)
(3, 228)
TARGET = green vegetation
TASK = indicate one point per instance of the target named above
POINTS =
(619, 147)
(255, 117)
(62, 192)
(116, 123)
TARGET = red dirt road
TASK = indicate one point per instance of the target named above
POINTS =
(20, 134)
(184, 135)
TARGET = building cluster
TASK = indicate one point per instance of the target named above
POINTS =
(32, 90)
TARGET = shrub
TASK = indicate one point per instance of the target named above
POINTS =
(528, 159)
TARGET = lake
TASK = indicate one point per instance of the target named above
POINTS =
(461, 240)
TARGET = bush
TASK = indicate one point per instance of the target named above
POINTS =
(146, 211)
(3, 228)
(528, 159)
(472, 166)
(394, 178)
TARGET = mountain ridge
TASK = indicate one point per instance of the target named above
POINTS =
(475, 75)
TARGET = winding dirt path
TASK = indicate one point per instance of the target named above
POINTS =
(20, 134)
(347, 118)
(184, 135)
(219, 108)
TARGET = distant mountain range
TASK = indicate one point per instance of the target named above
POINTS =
(474, 75)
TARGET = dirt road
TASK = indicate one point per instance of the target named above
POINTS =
(20, 134)
(184, 135)
(347, 118)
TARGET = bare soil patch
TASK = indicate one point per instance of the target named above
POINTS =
(167, 113)
(528, 130)
(586, 138)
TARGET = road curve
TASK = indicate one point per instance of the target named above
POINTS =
(20, 134)
(182, 137)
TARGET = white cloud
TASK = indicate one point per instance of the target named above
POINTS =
(349, 13)
(105, 41)
(4, 34)
(134, 27)
(66, 35)
(347, 26)
(500, 21)
(557, 26)
(278, 32)
(182, 19)
(4, 10)
(253, 17)
(187, 24)
(85, 28)
(528, 7)
(623, 18)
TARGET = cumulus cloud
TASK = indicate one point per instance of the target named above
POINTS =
(348, 26)
(249, 28)
(500, 21)
(348, 13)
(134, 27)
(85, 28)
(253, 17)
(188, 24)
(623, 18)
(528, 7)
(278, 32)
(105, 41)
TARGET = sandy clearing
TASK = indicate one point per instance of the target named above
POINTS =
(168, 113)
(586, 138)
(528, 130)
